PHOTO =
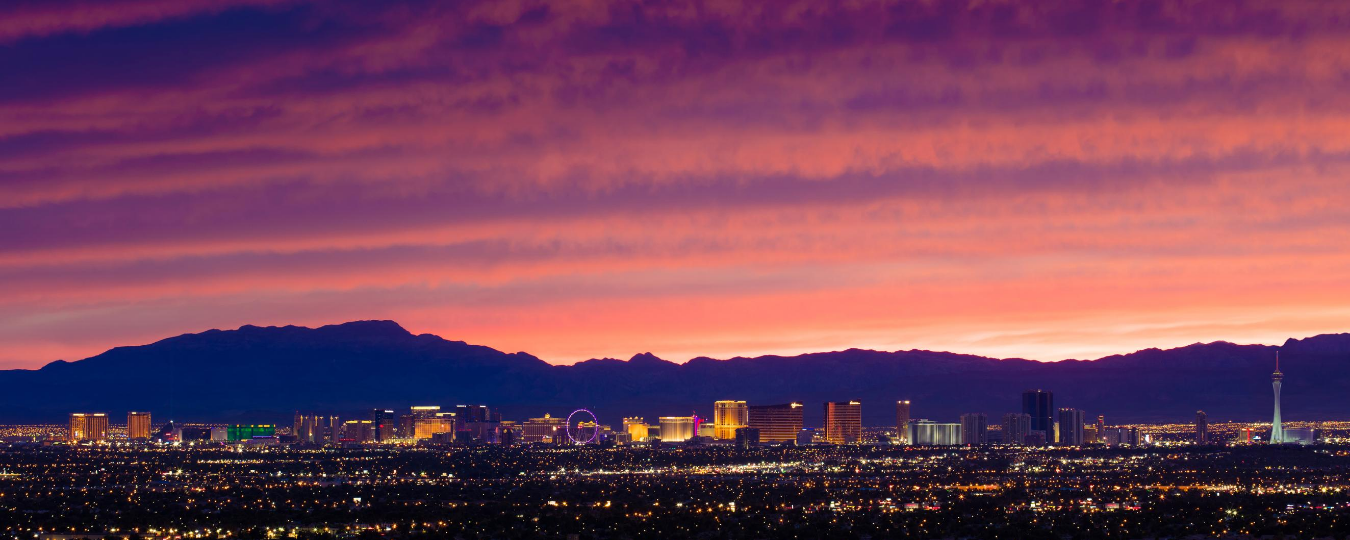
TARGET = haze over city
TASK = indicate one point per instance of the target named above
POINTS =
(577, 180)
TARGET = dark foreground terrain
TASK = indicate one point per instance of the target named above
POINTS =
(844, 492)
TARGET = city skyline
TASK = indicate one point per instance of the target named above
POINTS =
(748, 425)
(618, 269)
(1151, 379)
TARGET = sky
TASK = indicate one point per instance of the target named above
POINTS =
(1042, 179)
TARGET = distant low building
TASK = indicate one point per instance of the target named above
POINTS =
(747, 437)
(245, 432)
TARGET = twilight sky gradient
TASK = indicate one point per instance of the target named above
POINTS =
(1034, 178)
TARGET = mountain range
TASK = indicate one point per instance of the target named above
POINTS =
(266, 373)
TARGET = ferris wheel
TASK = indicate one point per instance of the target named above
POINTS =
(582, 427)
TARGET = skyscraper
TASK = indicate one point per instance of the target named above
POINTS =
(428, 426)
(1276, 425)
(902, 421)
(382, 423)
(88, 427)
(79, 427)
(974, 428)
(465, 414)
(1070, 427)
(1015, 428)
(728, 416)
(636, 428)
(678, 428)
(930, 433)
(776, 423)
(1040, 405)
(543, 430)
(1101, 428)
(843, 422)
(138, 425)
(1201, 428)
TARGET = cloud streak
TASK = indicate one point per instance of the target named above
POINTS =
(742, 176)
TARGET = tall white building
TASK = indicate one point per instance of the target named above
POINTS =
(930, 433)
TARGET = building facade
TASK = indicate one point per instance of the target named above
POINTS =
(1201, 428)
(729, 416)
(843, 422)
(930, 433)
(974, 429)
(543, 430)
(1040, 406)
(138, 425)
(902, 421)
(1070, 427)
(88, 427)
(776, 423)
(678, 428)
(1016, 427)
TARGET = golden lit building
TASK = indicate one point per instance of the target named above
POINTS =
(776, 423)
(677, 428)
(427, 426)
(728, 416)
(88, 427)
(79, 427)
(636, 428)
(843, 422)
(138, 425)
(543, 430)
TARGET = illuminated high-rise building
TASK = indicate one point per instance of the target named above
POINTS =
(1040, 405)
(843, 422)
(677, 428)
(98, 427)
(357, 431)
(1016, 426)
(88, 427)
(930, 433)
(1101, 429)
(902, 421)
(1201, 428)
(1277, 425)
(138, 425)
(974, 429)
(427, 427)
(1070, 427)
(543, 430)
(636, 428)
(776, 423)
(729, 416)
(314, 428)
(79, 427)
